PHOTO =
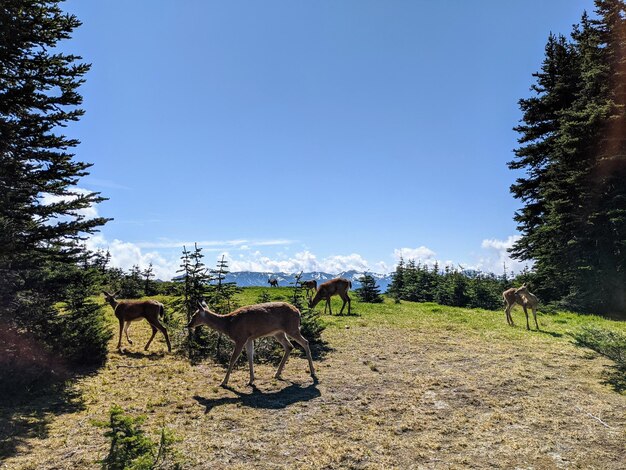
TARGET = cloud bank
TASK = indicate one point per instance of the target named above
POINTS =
(247, 255)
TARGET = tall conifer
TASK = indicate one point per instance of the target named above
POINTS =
(573, 151)
(41, 224)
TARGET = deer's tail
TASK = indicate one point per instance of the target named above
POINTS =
(161, 311)
(350, 284)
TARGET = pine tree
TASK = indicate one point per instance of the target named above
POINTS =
(148, 286)
(41, 226)
(573, 150)
(396, 288)
(194, 289)
(368, 292)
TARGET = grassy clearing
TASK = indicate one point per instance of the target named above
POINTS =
(404, 385)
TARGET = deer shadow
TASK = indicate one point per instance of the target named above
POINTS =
(281, 399)
(152, 356)
(554, 334)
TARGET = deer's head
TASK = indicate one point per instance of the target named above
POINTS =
(110, 297)
(522, 290)
(198, 316)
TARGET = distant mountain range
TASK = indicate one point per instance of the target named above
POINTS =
(249, 278)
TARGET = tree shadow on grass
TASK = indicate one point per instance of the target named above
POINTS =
(294, 393)
(26, 414)
(615, 376)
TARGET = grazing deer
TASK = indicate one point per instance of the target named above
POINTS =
(244, 325)
(273, 282)
(326, 290)
(129, 311)
(522, 297)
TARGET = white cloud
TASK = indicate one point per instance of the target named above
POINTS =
(213, 245)
(422, 254)
(496, 256)
(125, 254)
(302, 261)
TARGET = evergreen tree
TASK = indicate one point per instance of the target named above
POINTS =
(132, 285)
(194, 289)
(573, 150)
(148, 274)
(368, 292)
(396, 288)
(41, 224)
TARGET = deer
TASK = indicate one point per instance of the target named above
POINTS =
(273, 282)
(523, 297)
(244, 325)
(309, 286)
(326, 290)
(130, 311)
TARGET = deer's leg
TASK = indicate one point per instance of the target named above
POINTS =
(330, 309)
(233, 359)
(154, 332)
(250, 351)
(126, 327)
(507, 312)
(346, 299)
(157, 324)
(535, 316)
(302, 341)
(282, 339)
(526, 312)
(119, 343)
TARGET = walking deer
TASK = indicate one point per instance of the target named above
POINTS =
(326, 290)
(523, 297)
(129, 311)
(244, 325)
(273, 282)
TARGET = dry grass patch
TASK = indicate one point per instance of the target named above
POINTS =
(388, 397)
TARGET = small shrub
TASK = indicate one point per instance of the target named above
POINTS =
(609, 343)
(264, 296)
(131, 449)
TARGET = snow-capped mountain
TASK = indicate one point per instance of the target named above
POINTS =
(249, 278)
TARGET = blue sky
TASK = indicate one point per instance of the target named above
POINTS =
(308, 135)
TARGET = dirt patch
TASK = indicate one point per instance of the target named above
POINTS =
(387, 398)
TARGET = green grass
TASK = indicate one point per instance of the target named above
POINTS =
(434, 316)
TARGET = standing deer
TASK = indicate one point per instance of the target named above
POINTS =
(523, 297)
(128, 311)
(273, 282)
(244, 325)
(326, 290)
(309, 286)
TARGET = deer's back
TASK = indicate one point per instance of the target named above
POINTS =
(264, 319)
(137, 308)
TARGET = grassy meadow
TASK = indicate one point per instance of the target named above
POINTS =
(409, 385)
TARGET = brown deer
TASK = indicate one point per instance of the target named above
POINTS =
(523, 297)
(326, 290)
(128, 311)
(244, 325)
(273, 282)
(309, 286)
